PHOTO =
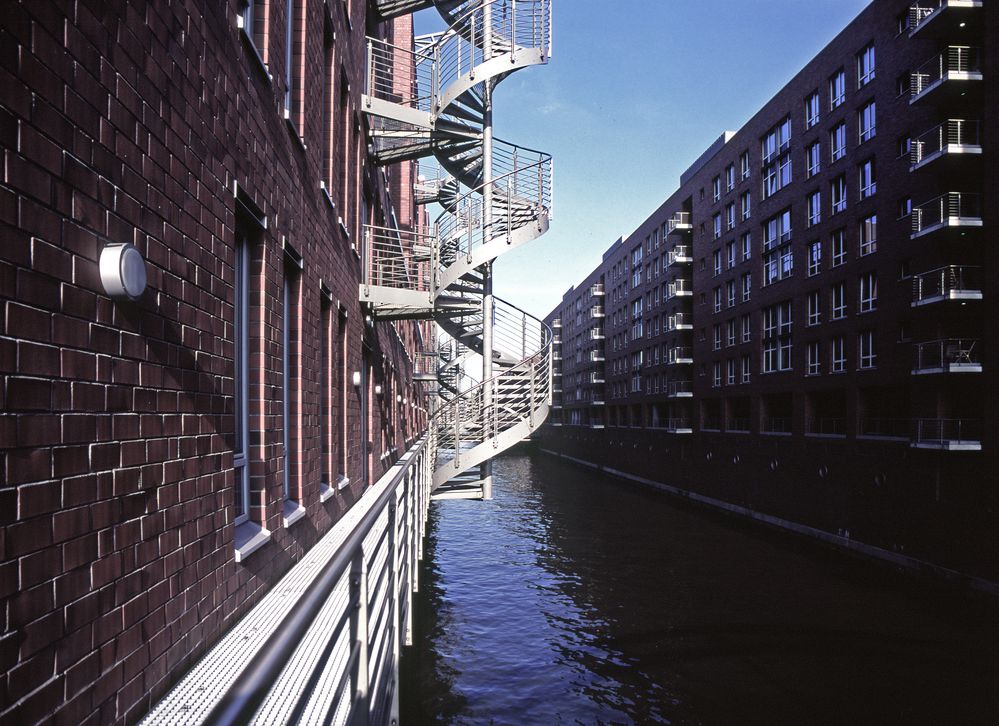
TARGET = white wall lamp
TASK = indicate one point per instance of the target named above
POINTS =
(398, 399)
(378, 390)
(356, 379)
(123, 271)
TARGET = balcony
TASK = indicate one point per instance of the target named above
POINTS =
(953, 139)
(557, 323)
(947, 76)
(596, 377)
(942, 18)
(680, 321)
(681, 255)
(598, 400)
(679, 425)
(597, 312)
(596, 334)
(680, 389)
(681, 287)
(950, 210)
(872, 427)
(597, 356)
(834, 427)
(679, 223)
(947, 434)
(597, 289)
(680, 355)
(948, 355)
(953, 282)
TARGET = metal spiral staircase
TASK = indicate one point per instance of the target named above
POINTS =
(435, 100)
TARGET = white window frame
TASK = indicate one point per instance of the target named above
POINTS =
(868, 292)
(868, 235)
(837, 297)
(814, 304)
(837, 354)
(241, 392)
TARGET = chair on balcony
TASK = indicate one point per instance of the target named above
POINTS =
(963, 354)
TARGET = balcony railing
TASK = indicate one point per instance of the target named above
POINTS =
(953, 136)
(681, 287)
(926, 11)
(680, 389)
(681, 354)
(954, 434)
(956, 62)
(680, 255)
(679, 222)
(597, 311)
(597, 289)
(953, 282)
(953, 209)
(597, 356)
(825, 426)
(776, 425)
(596, 334)
(557, 323)
(679, 425)
(738, 424)
(681, 321)
(948, 355)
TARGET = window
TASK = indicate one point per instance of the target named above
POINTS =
(745, 369)
(777, 337)
(869, 235)
(730, 333)
(838, 299)
(730, 216)
(778, 257)
(867, 122)
(776, 163)
(328, 111)
(730, 292)
(865, 66)
(746, 204)
(814, 358)
(716, 188)
(866, 354)
(747, 285)
(868, 183)
(903, 84)
(325, 389)
(730, 177)
(837, 191)
(838, 357)
(716, 374)
(717, 299)
(904, 145)
(814, 308)
(904, 207)
(744, 164)
(241, 378)
(747, 328)
(290, 376)
(811, 109)
(730, 254)
(813, 162)
(814, 208)
(837, 89)
(814, 257)
(716, 258)
(636, 267)
(292, 66)
(717, 336)
(730, 372)
(868, 292)
(716, 226)
(253, 24)
(747, 245)
(837, 142)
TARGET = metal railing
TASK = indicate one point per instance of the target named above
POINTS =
(400, 259)
(401, 75)
(741, 424)
(955, 59)
(679, 353)
(946, 354)
(680, 287)
(680, 254)
(944, 282)
(324, 643)
(678, 220)
(947, 431)
(920, 13)
(678, 423)
(680, 321)
(952, 132)
(826, 426)
(952, 206)
(597, 289)
(776, 425)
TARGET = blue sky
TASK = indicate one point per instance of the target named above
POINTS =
(634, 92)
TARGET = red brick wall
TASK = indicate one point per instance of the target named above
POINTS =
(133, 122)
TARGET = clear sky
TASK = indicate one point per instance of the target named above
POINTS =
(634, 92)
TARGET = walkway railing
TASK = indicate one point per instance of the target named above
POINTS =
(323, 645)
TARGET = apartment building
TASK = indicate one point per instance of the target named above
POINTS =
(180, 428)
(801, 332)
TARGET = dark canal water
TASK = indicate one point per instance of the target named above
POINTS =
(573, 598)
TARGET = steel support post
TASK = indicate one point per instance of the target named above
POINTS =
(486, 468)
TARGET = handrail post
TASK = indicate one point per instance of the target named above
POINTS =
(361, 711)
(392, 560)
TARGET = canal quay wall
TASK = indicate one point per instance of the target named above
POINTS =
(878, 499)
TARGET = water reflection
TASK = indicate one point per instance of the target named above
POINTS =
(577, 599)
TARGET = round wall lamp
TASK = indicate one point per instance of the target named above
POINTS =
(123, 271)
(356, 379)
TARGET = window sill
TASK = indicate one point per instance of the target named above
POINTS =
(326, 492)
(327, 195)
(255, 54)
(293, 130)
(293, 512)
(250, 537)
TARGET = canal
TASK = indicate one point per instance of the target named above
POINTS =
(574, 598)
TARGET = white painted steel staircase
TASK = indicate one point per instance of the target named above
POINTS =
(435, 100)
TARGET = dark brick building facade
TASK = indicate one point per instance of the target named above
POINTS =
(800, 331)
(165, 459)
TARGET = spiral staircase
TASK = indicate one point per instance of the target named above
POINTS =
(434, 101)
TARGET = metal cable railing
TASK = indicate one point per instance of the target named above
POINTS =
(955, 59)
(952, 132)
(945, 282)
(945, 208)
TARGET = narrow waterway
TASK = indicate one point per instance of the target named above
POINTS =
(577, 598)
